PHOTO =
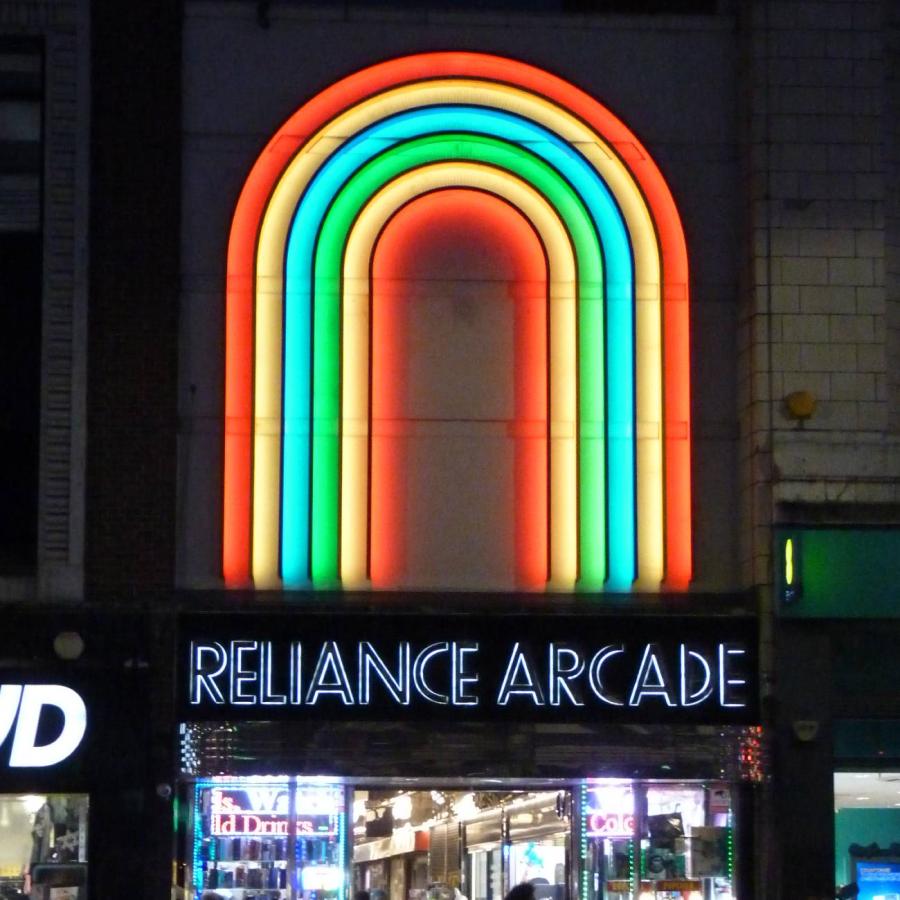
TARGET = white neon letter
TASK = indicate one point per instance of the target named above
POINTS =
(726, 650)
(266, 695)
(419, 680)
(643, 686)
(595, 673)
(518, 666)
(561, 674)
(397, 686)
(241, 676)
(296, 673)
(697, 697)
(34, 698)
(461, 678)
(330, 662)
(204, 674)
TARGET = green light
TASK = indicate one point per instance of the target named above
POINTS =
(789, 562)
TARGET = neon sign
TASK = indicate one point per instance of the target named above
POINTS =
(304, 497)
(24, 706)
(560, 668)
(265, 810)
(609, 811)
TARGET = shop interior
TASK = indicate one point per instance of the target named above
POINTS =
(43, 846)
(867, 833)
(297, 838)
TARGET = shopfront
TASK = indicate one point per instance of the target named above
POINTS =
(44, 798)
(839, 729)
(423, 757)
(75, 780)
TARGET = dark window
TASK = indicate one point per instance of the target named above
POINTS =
(21, 266)
(550, 7)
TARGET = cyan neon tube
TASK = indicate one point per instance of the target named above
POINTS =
(607, 221)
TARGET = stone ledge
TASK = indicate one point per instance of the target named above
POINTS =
(817, 467)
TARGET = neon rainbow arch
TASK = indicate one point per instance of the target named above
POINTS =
(299, 463)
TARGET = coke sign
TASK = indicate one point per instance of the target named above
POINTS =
(609, 825)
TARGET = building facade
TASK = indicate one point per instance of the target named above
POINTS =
(466, 435)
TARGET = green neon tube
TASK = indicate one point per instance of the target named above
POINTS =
(329, 252)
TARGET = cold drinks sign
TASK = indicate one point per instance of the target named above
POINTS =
(528, 668)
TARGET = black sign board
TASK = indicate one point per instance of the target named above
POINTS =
(538, 668)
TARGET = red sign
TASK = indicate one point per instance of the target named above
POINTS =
(600, 824)
(244, 824)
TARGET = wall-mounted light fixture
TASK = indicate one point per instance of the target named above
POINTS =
(68, 645)
(791, 580)
(800, 405)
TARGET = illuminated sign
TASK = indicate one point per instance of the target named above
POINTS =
(607, 499)
(265, 810)
(878, 879)
(609, 811)
(550, 668)
(29, 711)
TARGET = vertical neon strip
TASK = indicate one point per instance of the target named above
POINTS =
(324, 496)
(592, 443)
(649, 456)
(390, 377)
(355, 430)
(562, 267)
(294, 429)
(789, 562)
(266, 441)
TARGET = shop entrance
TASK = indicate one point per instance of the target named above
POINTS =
(448, 844)
(301, 838)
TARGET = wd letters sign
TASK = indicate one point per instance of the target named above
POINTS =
(526, 668)
(41, 724)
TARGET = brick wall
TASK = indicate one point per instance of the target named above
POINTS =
(136, 90)
(62, 26)
(892, 210)
(814, 311)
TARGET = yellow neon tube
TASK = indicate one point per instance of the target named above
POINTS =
(789, 562)
(355, 373)
(270, 258)
(266, 439)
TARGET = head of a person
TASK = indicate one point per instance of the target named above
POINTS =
(361, 895)
(524, 891)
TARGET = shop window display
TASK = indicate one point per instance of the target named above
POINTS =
(294, 839)
(267, 839)
(657, 841)
(867, 834)
(43, 846)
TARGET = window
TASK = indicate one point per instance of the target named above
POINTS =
(21, 267)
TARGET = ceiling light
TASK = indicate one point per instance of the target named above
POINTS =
(32, 803)
(402, 807)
